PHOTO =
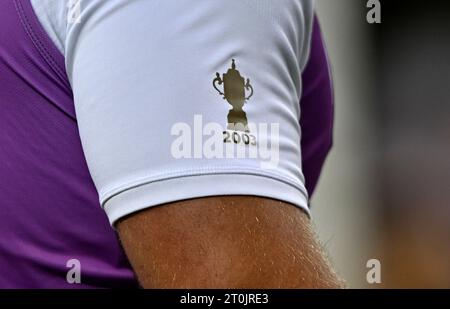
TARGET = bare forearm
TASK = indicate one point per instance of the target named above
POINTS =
(225, 242)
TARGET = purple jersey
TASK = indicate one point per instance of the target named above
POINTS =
(49, 206)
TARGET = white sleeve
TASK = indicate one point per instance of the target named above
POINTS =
(181, 99)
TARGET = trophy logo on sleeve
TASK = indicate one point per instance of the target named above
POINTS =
(234, 91)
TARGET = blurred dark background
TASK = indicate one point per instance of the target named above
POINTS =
(385, 191)
(413, 117)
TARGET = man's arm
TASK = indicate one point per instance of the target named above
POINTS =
(141, 74)
(225, 242)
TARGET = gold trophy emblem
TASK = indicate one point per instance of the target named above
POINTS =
(234, 92)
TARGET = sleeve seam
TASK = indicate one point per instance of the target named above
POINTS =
(105, 197)
(43, 51)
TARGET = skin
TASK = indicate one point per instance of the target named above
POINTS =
(225, 242)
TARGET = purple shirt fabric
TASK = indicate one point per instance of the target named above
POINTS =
(49, 207)
(317, 111)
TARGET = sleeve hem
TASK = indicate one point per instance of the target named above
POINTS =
(183, 188)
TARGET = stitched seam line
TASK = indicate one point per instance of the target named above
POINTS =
(112, 193)
(36, 41)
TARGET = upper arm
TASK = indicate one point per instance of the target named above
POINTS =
(150, 120)
(152, 128)
(225, 242)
